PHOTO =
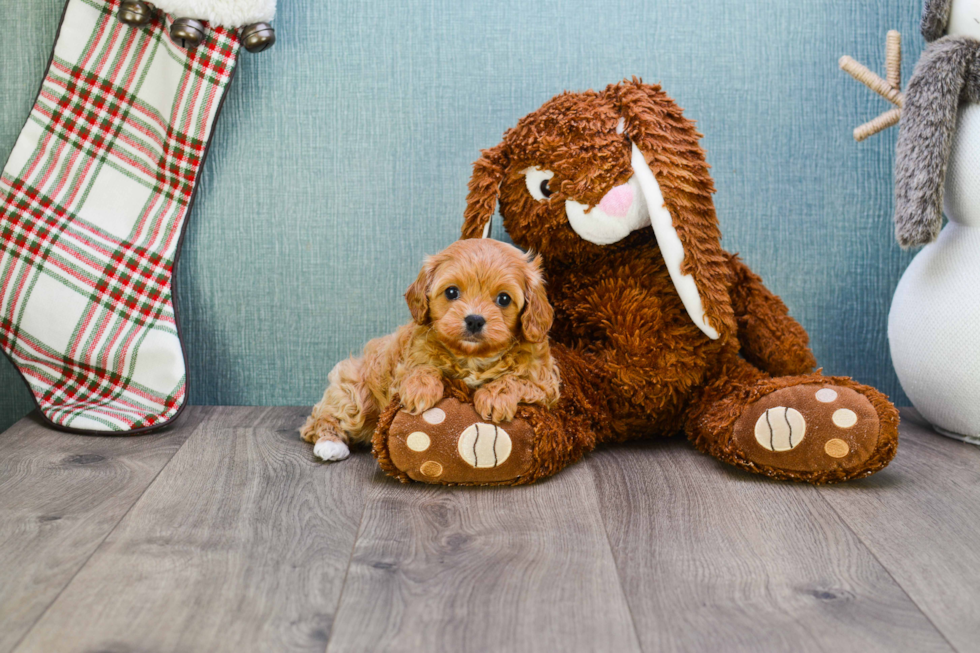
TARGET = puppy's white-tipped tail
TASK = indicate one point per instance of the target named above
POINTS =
(330, 450)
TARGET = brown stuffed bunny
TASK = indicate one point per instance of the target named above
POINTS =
(657, 329)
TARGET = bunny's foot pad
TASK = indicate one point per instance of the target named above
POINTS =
(808, 428)
(452, 444)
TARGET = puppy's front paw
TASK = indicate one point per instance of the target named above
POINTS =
(330, 450)
(420, 393)
(495, 404)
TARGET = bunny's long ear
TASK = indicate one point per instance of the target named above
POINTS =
(481, 202)
(669, 164)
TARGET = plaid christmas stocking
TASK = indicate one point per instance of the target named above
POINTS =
(93, 202)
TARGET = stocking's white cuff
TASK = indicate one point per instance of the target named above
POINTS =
(227, 13)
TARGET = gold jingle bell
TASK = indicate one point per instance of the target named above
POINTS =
(187, 32)
(135, 13)
(258, 37)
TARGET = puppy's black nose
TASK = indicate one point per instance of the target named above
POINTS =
(474, 323)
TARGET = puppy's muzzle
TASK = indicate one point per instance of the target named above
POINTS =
(475, 323)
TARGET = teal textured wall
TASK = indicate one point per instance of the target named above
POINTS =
(343, 153)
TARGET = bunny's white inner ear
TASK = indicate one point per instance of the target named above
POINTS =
(670, 244)
(486, 227)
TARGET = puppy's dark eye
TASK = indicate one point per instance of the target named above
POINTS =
(503, 300)
(452, 292)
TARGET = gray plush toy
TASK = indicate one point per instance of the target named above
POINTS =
(937, 170)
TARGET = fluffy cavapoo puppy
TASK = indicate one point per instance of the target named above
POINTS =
(480, 316)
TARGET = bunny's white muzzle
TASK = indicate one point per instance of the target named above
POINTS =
(622, 211)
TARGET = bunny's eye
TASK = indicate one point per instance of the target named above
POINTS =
(537, 183)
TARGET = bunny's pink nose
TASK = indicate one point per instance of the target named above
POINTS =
(618, 201)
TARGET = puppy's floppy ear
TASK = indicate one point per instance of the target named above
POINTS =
(537, 316)
(481, 202)
(669, 164)
(417, 295)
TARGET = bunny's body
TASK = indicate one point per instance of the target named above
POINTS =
(657, 329)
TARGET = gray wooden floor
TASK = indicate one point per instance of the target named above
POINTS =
(224, 534)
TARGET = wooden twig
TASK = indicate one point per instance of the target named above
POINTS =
(890, 88)
(879, 124)
(893, 59)
(877, 84)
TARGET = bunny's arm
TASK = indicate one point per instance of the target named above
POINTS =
(770, 339)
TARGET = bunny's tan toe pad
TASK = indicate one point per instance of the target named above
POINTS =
(808, 428)
(452, 444)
